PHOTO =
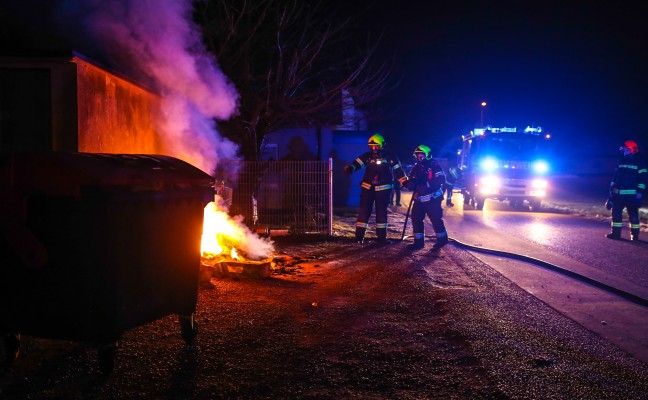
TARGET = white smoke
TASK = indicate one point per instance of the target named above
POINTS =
(156, 42)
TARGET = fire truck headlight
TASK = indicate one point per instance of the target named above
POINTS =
(490, 184)
(539, 188)
(488, 164)
(540, 167)
(539, 184)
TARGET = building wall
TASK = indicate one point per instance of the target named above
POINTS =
(65, 102)
(37, 104)
(115, 115)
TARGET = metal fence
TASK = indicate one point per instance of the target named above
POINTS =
(292, 196)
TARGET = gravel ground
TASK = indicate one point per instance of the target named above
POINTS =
(347, 321)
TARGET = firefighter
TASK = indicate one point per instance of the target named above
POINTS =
(452, 177)
(382, 167)
(627, 189)
(426, 180)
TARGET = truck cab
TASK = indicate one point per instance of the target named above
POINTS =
(505, 164)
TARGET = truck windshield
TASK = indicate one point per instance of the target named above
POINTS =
(518, 147)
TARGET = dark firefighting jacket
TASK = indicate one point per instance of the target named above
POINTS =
(426, 179)
(381, 170)
(453, 176)
(629, 177)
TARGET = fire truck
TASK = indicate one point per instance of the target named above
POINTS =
(505, 164)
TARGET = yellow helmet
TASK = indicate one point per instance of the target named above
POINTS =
(423, 149)
(376, 140)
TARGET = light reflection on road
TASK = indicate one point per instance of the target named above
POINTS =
(539, 232)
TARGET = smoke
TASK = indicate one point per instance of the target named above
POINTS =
(156, 43)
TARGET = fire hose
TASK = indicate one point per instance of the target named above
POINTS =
(553, 267)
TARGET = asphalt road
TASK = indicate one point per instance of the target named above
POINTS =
(572, 242)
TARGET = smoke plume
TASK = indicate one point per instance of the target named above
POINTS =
(157, 43)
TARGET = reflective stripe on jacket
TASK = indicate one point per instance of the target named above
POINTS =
(630, 176)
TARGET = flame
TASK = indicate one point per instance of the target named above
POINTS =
(220, 233)
(226, 238)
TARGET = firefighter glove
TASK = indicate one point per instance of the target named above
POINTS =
(608, 204)
(348, 170)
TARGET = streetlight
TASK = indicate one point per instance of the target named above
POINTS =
(481, 114)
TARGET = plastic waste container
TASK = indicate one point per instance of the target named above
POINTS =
(95, 244)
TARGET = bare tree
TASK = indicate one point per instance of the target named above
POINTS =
(290, 60)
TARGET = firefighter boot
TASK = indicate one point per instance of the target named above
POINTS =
(359, 234)
(417, 245)
(615, 234)
(634, 234)
(442, 240)
(381, 233)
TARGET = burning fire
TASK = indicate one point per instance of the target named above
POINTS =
(222, 236)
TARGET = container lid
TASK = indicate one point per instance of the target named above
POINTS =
(67, 174)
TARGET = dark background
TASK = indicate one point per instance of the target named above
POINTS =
(578, 69)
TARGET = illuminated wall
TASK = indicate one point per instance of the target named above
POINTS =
(64, 102)
(115, 115)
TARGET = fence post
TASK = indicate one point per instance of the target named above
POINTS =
(330, 196)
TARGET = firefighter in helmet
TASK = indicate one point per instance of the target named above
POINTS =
(382, 168)
(426, 180)
(627, 189)
(452, 178)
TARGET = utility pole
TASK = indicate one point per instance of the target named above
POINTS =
(481, 114)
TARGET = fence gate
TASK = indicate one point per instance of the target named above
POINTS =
(295, 196)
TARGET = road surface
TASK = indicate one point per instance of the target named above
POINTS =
(572, 242)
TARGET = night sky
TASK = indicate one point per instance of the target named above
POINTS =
(578, 69)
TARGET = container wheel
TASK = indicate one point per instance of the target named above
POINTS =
(106, 354)
(188, 327)
(11, 343)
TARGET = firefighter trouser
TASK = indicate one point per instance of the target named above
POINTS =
(431, 208)
(367, 199)
(395, 192)
(631, 204)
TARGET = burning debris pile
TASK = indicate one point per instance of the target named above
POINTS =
(229, 246)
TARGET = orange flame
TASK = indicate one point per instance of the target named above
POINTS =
(220, 233)
(227, 238)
